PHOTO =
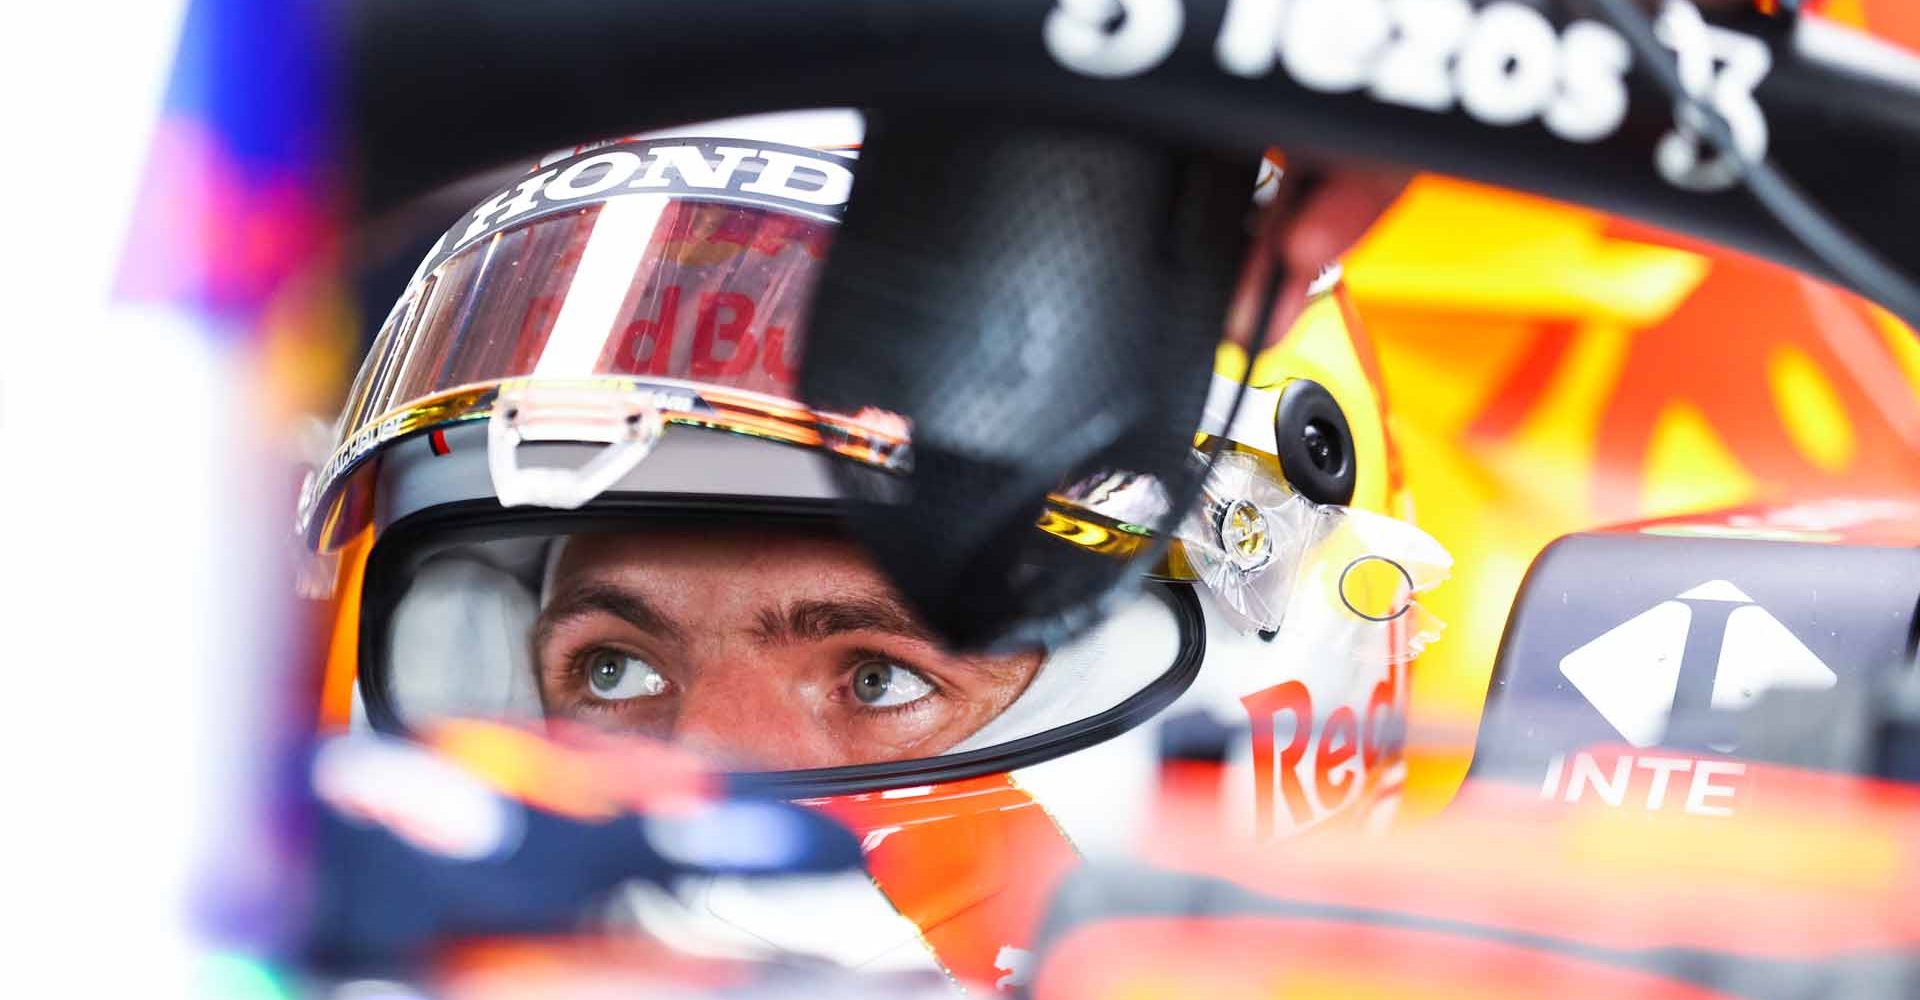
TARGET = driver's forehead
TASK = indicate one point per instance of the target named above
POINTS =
(738, 558)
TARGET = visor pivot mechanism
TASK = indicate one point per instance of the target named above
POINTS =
(625, 423)
(1245, 536)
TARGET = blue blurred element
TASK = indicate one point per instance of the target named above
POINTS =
(392, 879)
(261, 74)
(743, 837)
(237, 188)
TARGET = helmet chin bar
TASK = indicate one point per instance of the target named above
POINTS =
(1068, 323)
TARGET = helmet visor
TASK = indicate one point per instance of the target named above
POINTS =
(682, 261)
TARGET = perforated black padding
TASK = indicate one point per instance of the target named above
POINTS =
(1036, 300)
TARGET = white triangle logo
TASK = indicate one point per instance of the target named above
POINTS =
(1759, 653)
(1717, 590)
(1630, 672)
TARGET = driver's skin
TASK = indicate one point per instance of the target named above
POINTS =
(767, 647)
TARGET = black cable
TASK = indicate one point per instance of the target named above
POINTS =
(1849, 256)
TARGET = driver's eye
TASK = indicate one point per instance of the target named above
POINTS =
(881, 684)
(616, 676)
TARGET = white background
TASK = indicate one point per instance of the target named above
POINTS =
(104, 520)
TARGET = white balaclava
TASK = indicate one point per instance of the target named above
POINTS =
(459, 643)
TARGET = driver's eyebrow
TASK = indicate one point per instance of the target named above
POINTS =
(815, 619)
(588, 598)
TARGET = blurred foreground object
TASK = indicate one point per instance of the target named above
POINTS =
(1801, 893)
(490, 831)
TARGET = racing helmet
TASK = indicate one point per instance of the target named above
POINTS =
(571, 480)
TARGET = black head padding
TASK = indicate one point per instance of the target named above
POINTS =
(1037, 301)
(1314, 442)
